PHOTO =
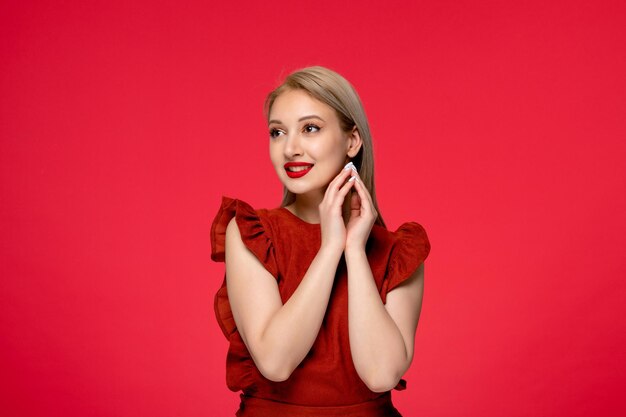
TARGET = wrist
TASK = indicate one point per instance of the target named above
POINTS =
(358, 250)
(331, 249)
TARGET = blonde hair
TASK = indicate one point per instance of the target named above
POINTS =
(332, 89)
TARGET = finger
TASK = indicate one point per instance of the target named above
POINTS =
(365, 190)
(366, 202)
(345, 189)
(337, 200)
(337, 182)
(343, 174)
(355, 203)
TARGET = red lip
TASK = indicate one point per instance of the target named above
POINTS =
(299, 173)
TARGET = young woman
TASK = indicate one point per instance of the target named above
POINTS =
(320, 302)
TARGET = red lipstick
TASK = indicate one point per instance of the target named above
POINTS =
(297, 174)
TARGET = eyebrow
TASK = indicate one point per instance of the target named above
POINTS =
(312, 116)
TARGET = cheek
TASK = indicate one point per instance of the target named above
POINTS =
(323, 148)
(273, 153)
(277, 160)
(332, 149)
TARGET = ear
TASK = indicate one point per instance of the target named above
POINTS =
(354, 142)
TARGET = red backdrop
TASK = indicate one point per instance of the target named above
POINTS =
(499, 126)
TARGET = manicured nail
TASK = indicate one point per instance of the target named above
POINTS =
(352, 179)
(351, 166)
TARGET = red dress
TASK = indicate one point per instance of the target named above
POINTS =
(326, 382)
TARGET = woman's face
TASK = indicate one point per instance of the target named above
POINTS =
(305, 130)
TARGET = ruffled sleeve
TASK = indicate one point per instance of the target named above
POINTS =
(410, 248)
(255, 235)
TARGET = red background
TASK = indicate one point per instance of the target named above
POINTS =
(499, 126)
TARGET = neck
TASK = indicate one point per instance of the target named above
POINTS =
(306, 206)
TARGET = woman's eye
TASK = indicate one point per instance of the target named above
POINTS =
(274, 132)
(310, 128)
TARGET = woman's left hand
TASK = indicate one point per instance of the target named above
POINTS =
(362, 216)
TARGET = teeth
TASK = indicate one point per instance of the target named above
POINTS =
(297, 169)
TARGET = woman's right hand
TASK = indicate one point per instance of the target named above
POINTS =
(332, 225)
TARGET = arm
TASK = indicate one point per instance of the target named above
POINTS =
(277, 336)
(381, 335)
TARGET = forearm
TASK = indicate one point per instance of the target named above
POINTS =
(378, 349)
(292, 329)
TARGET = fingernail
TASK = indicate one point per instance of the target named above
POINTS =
(351, 166)
(352, 179)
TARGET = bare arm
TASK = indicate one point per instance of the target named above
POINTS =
(381, 335)
(279, 336)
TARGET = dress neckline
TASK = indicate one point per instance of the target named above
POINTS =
(298, 218)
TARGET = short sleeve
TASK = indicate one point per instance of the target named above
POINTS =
(410, 248)
(255, 235)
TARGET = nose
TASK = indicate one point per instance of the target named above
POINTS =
(293, 146)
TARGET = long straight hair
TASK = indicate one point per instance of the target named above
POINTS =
(332, 89)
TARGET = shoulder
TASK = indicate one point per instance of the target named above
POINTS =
(406, 248)
(408, 234)
(253, 227)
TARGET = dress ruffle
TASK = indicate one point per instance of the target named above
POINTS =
(254, 236)
(409, 250)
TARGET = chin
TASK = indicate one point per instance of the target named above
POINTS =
(296, 190)
(290, 187)
(301, 186)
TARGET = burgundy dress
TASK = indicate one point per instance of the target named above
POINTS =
(326, 382)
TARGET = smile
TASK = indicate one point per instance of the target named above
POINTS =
(297, 171)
